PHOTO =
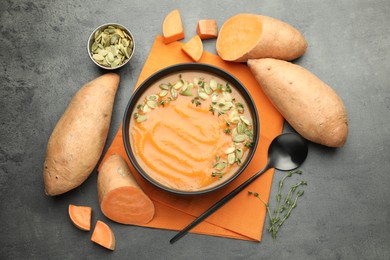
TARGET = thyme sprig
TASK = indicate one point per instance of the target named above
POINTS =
(289, 203)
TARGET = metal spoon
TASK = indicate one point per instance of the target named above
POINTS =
(286, 152)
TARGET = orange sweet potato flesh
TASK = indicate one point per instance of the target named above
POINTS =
(121, 198)
(207, 29)
(103, 235)
(194, 48)
(173, 27)
(78, 139)
(309, 105)
(80, 216)
(250, 36)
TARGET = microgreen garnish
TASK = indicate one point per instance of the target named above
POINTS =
(221, 113)
(196, 101)
(212, 109)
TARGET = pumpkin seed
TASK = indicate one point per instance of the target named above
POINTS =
(164, 86)
(163, 93)
(173, 93)
(94, 46)
(214, 97)
(152, 104)
(107, 60)
(230, 150)
(207, 89)
(97, 33)
(234, 114)
(141, 118)
(152, 97)
(234, 132)
(196, 81)
(110, 57)
(119, 32)
(235, 120)
(241, 127)
(146, 109)
(220, 166)
(228, 105)
(245, 120)
(227, 96)
(99, 37)
(203, 95)
(120, 48)
(103, 53)
(125, 42)
(98, 57)
(178, 85)
(114, 50)
(114, 39)
(239, 138)
(185, 86)
(110, 29)
(116, 62)
(213, 84)
(128, 52)
(239, 153)
(188, 91)
(231, 158)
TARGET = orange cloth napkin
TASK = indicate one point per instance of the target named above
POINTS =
(241, 218)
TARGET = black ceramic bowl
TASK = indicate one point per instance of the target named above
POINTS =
(177, 69)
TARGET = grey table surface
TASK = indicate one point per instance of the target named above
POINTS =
(345, 213)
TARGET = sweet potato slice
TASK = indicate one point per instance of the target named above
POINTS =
(80, 216)
(121, 198)
(250, 36)
(78, 139)
(173, 27)
(194, 48)
(103, 235)
(207, 29)
(310, 106)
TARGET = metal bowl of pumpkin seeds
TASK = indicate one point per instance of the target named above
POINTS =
(111, 46)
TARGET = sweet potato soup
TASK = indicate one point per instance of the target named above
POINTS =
(190, 131)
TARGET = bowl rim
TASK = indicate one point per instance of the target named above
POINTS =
(176, 69)
(90, 39)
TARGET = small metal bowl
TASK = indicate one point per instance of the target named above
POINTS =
(91, 40)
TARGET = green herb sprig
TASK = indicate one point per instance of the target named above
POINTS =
(289, 203)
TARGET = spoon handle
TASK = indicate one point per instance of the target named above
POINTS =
(217, 205)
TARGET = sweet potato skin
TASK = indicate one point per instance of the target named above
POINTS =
(278, 40)
(309, 105)
(78, 139)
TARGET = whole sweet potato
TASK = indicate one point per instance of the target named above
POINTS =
(251, 36)
(309, 105)
(78, 139)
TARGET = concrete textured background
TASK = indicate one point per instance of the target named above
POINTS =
(345, 213)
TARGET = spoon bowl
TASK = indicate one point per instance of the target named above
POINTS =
(286, 152)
